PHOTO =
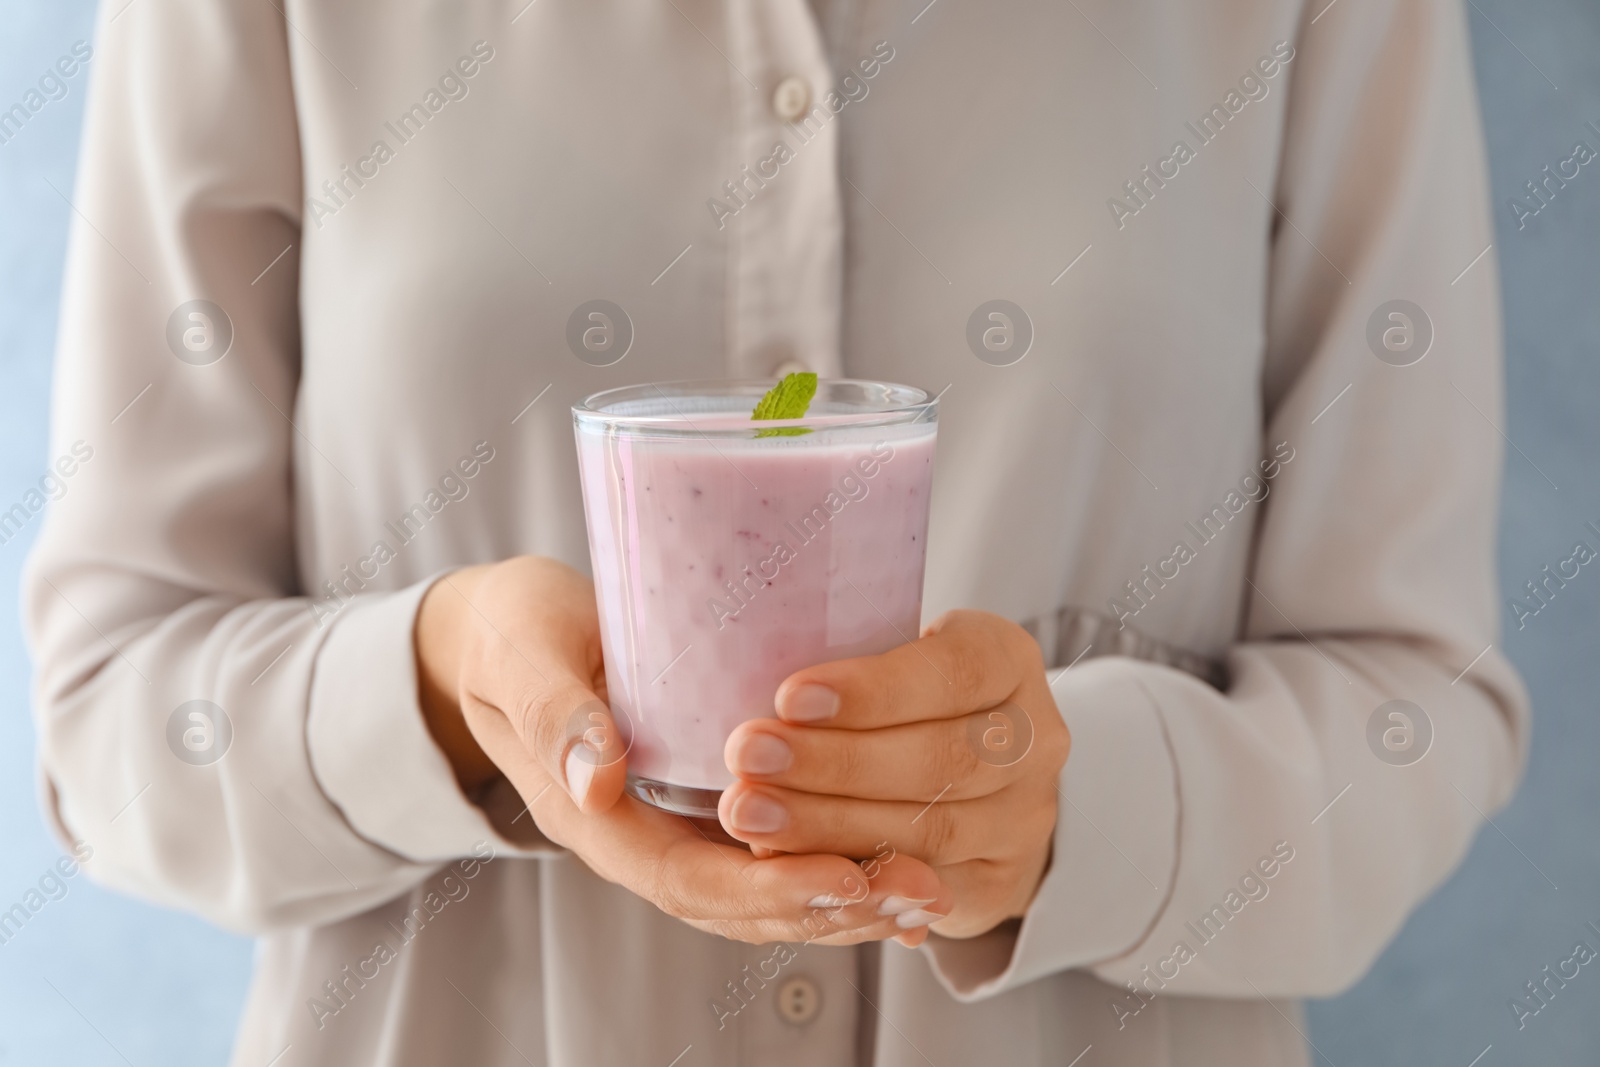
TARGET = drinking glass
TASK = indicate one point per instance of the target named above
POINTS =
(730, 553)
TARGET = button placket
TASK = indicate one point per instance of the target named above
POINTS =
(799, 1004)
(784, 299)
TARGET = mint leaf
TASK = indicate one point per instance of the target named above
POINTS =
(789, 399)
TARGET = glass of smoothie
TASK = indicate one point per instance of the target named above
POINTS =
(729, 553)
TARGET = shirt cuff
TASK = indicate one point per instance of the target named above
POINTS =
(1116, 842)
(371, 749)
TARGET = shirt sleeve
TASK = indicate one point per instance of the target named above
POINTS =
(220, 748)
(1269, 840)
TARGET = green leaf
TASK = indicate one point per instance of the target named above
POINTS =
(789, 399)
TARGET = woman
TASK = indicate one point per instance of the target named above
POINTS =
(316, 334)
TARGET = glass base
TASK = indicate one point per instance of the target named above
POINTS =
(678, 799)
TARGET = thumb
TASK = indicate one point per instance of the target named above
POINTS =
(571, 735)
(594, 754)
(536, 664)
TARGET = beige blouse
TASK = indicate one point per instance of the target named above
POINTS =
(316, 340)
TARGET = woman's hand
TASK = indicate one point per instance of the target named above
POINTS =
(511, 682)
(947, 747)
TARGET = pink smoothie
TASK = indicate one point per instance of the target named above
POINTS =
(723, 565)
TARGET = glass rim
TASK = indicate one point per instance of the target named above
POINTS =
(906, 405)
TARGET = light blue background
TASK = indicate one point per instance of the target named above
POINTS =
(94, 978)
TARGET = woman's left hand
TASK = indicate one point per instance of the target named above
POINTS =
(948, 748)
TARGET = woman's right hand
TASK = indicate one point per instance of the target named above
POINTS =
(511, 681)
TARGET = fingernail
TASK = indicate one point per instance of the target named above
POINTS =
(828, 900)
(760, 753)
(810, 703)
(580, 772)
(755, 813)
(893, 905)
(916, 917)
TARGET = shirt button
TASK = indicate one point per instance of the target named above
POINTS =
(791, 99)
(788, 367)
(799, 1000)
